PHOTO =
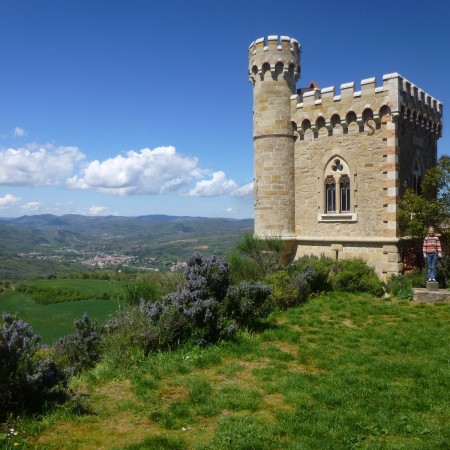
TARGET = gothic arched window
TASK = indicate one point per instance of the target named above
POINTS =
(337, 187)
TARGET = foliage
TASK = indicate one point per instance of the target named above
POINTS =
(400, 286)
(354, 275)
(297, 281)
(82, 349)
(144, 329)
(150, 287)
(12, 439)
(206, 285)
(204, 309)
(135, 293)
(265, 252)
(242, 267)
(27, 381)
(284, 291)
(322, 267)
(246, 303)
(431, 207)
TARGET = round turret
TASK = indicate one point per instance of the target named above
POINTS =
(274, 70)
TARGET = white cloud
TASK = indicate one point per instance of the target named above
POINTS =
(243, 191)
(37, 165)
(217, 185)
(19, 132)
(98, 210)
(32, 206)
(145, 172)
(8, 200)
(231, 211)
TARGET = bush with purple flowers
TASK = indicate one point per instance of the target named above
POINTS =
(199, 299)
(26, 380)
(203, 309)
(81, 349)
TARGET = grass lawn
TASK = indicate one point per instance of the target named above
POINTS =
(55, 320)
(339, 372)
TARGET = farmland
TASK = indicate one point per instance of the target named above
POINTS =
(55, 319)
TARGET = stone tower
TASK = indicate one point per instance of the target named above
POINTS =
(274, 69)
(330, 166)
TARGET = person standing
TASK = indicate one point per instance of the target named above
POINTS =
(431, 252)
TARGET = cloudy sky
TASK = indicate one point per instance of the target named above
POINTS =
(135, 107)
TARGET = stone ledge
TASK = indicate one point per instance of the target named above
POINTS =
(423, 295)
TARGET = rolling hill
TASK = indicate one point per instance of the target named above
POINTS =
(69, 242)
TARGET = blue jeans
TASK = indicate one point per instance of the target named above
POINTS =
(431, 265)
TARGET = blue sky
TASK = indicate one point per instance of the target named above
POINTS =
(144, 107)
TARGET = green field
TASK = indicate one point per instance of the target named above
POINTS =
(55, 320)
(65, 290)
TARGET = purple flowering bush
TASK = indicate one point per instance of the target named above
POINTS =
(204, 309)
(199, 300)
(27, 381)
(82, 349)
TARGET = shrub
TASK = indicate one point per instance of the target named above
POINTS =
(205, 287)
(247, 303)
(27, 381)
(81, 349)
(284, 292)
(297, 281)
(319, 282)
(242, 268)
(265, 252)
(354, 275)
(205, 309)
(400, 286)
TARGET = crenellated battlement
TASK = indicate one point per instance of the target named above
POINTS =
(397, 94)
(277, 54)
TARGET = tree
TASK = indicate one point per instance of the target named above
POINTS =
(431, 207)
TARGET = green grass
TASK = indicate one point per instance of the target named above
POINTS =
(55, 320)
(339, 372)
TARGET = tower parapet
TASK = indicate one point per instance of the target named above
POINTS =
(402, 97)
(268, 55)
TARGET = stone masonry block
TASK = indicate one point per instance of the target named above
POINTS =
(394, 257)
(392, 267)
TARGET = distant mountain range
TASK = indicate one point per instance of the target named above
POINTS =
(162, 238)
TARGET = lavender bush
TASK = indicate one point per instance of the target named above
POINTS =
(81, 349)
(204, 308)
(26, 380)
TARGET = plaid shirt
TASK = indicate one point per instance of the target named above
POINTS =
(432, 244)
